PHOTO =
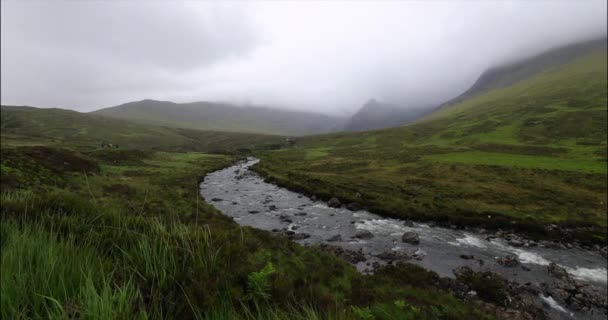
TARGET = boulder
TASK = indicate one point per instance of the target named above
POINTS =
(410, 237)
(508, 261)
(300, 214)
(253, 212)
(334, 203)
(334, 238)
(408, 223)
(557, 271)
(217, 199)
(364, 234)
(352, 206)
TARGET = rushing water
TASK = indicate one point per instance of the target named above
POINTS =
(239, 193)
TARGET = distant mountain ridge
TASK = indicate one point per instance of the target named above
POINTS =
(380, 115)
(224, 117)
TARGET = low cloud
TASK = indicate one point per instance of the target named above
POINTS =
(322, 56)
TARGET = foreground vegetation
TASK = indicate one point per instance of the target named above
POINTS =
(119, 234)
(520, 157)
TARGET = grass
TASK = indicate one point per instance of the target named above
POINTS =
(516, 160)
(526, 155)
(124, 234)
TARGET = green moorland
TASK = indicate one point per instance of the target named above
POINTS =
(113, 233)
(523, 156)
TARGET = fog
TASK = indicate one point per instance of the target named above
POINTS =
(321, 56)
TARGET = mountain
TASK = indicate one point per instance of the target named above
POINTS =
(378, 115)
(508, 74)
(67, 127)
(223, 117)
(515, 154)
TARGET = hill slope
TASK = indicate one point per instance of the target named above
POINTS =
(506, 75)
(522, 156)
(28, 125)
(223, 117)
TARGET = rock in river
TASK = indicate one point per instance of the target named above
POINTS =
(508, 261)
(364, 234)
(333, 238)
(558, 271)
(334, 203)
(410, 237)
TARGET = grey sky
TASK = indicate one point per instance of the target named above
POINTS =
(321, 56)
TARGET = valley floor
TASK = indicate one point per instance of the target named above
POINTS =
(118, 234)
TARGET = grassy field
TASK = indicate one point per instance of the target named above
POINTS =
(518, 157)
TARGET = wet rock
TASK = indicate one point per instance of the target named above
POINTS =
(272, 207)
(557, 271)
(217, 199)
(253, 212)
(234, 202)
(351, 256)
(352, 206)
(419, 254)
(300, 214)
(471, 295)
(467, 256)
(391, 256)
(515, 243)
(410, 237)
(508, 261)
(364, 234)
(285, 218)
(299, 236)
(334, 238)
(295, 227)
(334, 203)
(408, 223)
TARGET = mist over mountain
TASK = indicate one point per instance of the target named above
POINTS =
(378, 115)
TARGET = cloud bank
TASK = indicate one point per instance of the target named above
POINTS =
(321, 56)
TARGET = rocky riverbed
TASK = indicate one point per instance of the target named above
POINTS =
(562, 282)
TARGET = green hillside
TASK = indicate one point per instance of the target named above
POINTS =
(223, 117)
(525, 155)
(27, 125)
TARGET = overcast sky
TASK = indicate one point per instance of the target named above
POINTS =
(321, 56)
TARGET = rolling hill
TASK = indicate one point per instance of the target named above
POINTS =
(223, 117)
(28, 125)
(522, 156)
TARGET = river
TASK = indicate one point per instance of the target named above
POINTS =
(241, 194)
